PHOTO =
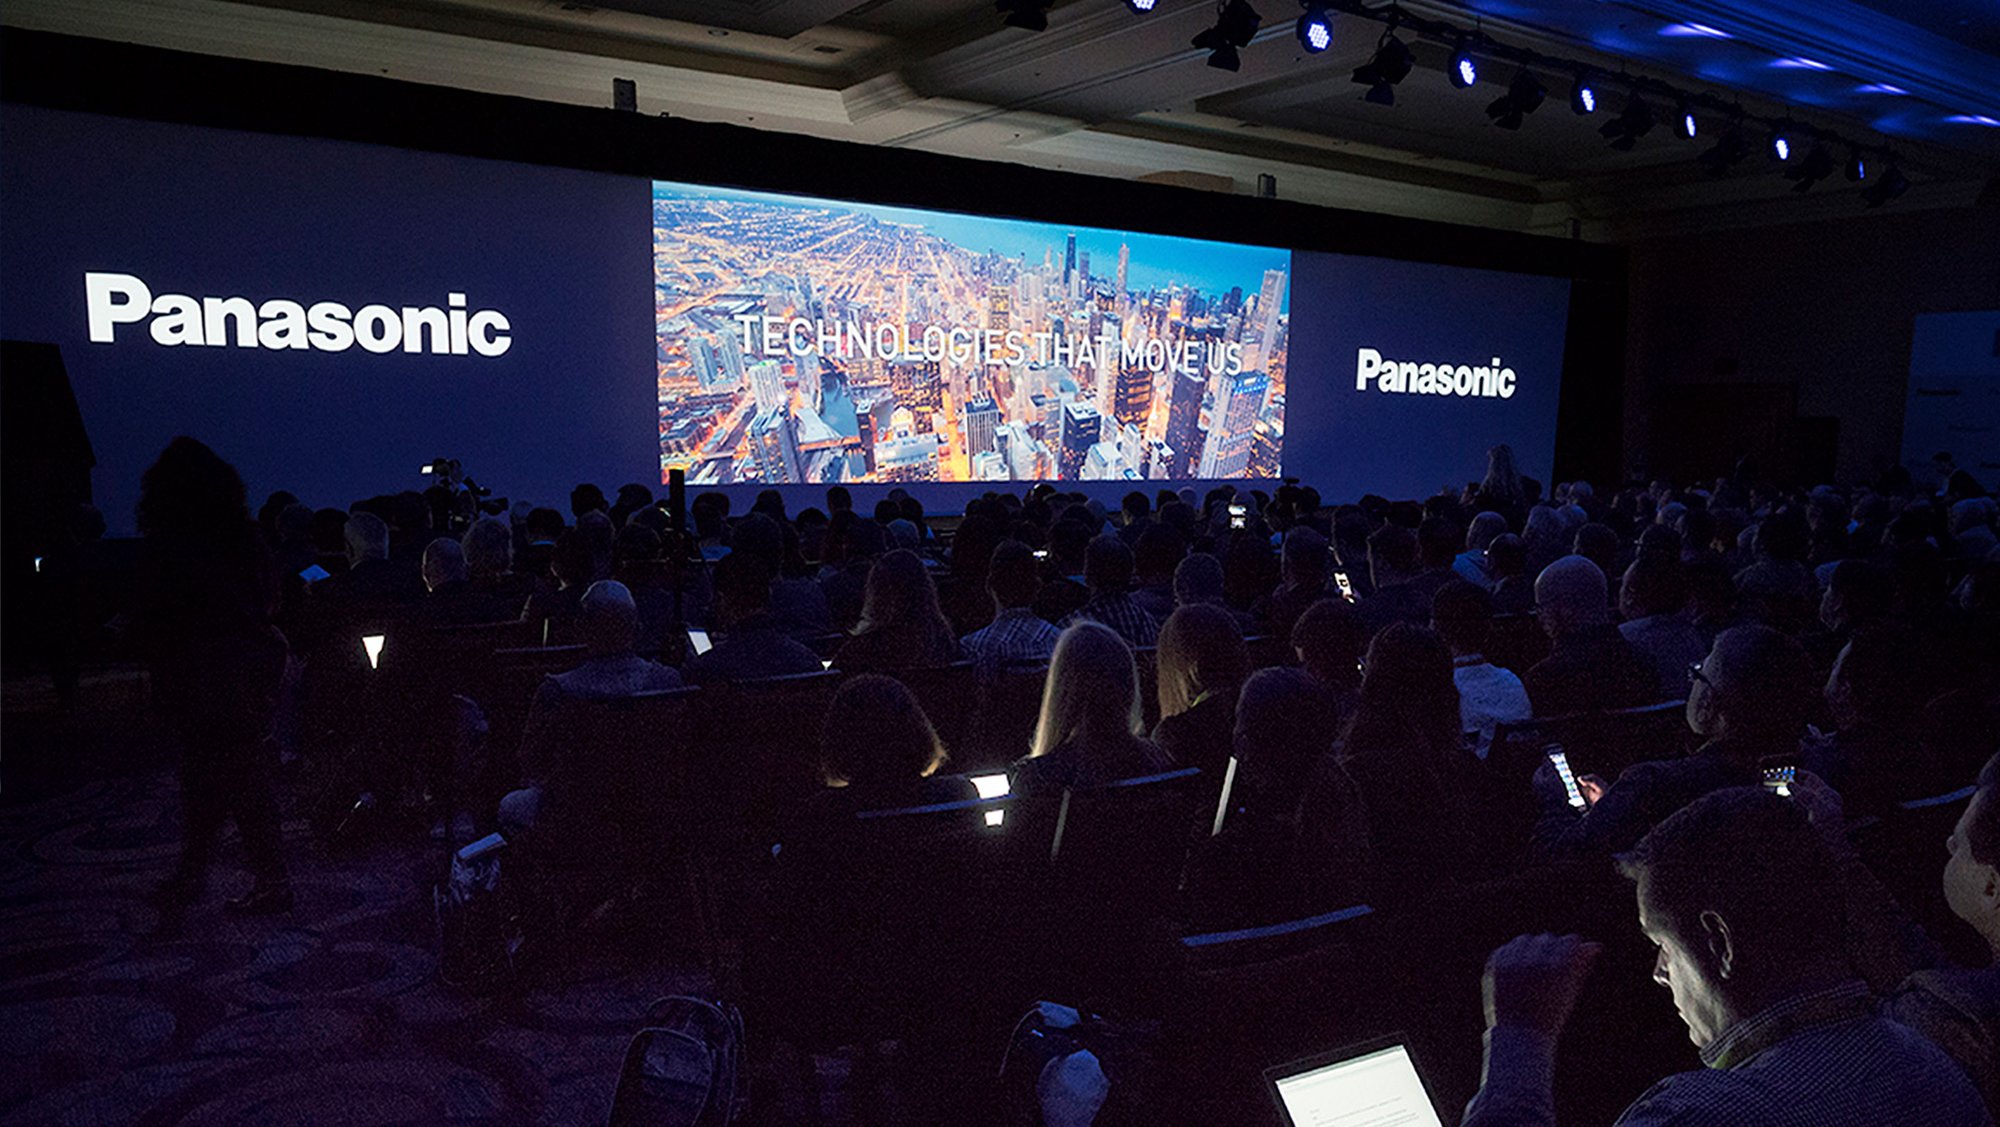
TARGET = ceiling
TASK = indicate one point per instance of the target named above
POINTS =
(1104, 91)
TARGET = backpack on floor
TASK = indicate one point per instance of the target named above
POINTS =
(479, 935)
(682, 1069)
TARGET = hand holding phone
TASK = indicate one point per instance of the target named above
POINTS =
(1345, 584)
(1779, 773)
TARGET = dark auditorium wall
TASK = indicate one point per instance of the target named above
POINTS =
(1747, 339)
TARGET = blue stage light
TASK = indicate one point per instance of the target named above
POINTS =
(1464, 72)
(1315, 30)
(1781, 147)
(1688, 126)
(1583, 97)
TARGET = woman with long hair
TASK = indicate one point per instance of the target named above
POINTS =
(1090, 725)
(902, 626)
(1202, 665)
(1404, 750)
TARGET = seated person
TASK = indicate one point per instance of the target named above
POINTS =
(1302, 567)
(1017, 633)
(1198, 579)
(1294, 840)
(1743, 900)
(1156, 552)
(1329, 640)
(902, 623)
(1393, 571)
(1405, 752)
(1471, 564)
(574, 566)
(1107, 573)
(1748, 699)
(1507, 566)
(1653, 599)
(749, 643)
(452, 600)
(1488, 695)
(608, 622)
(878, 751)
(1959, 1010)
(1202, 665)
(1090, 725)
(489, 561)
(1590, 667)
(1875, 758)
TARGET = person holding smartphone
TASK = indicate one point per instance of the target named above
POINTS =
(1742, 899)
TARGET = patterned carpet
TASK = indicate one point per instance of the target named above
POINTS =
(332, 1014)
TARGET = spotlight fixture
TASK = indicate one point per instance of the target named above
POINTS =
(1781, 144)
(1889, 186)
(1634, 122)
(1033, 15)
(1524, 96)
(1141, 7)
(1315, 29)
(1390, 65)
(1815, 166)
(1236, 24)
(1583, 96)
(1857, 169)
(1728, 150)
(1684, 123)
(1464, 71)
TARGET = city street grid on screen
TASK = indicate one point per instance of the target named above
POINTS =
(808, 341)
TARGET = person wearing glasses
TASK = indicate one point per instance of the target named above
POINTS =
(1747, 699)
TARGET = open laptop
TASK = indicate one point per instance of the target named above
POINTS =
(1372, 1084)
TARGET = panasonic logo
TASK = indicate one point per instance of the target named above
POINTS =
(1488, 381)
(325, 326)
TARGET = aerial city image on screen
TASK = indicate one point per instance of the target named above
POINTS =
(808, 341)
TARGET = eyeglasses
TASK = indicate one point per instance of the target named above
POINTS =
(1695, 674)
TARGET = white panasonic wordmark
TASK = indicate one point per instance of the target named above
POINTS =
(326, 326)
(1487, 381)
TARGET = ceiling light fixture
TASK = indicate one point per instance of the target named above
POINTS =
(1391, 64)
(1464, 71)
(1583, 96)
(1634, 122)
(1889, 187)
(1031, 15)
(1236, 24)
(1141, 7)
(1728, 150)
(1684, 123)
(1524, 96)
(1814, 167)
(1315, 29)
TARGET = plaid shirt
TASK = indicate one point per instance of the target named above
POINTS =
(1016, 634)
(1824, 1059)
(1123, 614)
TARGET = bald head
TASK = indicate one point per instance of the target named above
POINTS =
(609, 619)
(444, 562)
(1485, 527)
(1570, 595)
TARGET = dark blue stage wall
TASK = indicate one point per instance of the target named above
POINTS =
(331, 316)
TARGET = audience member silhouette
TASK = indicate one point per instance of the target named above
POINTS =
(1748, 700)
(1302, 569)
(1107, 572)
(749, 642)
(1744, 902)
(1653, 599)
(552, 773)
(902, 626)
(203, 622)
(1202, 664)
(1016, 634)
(1488, 696)
(878, 751)
(1293, 838)
(1089, 731)
(1590, 666)
(1404, 750)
